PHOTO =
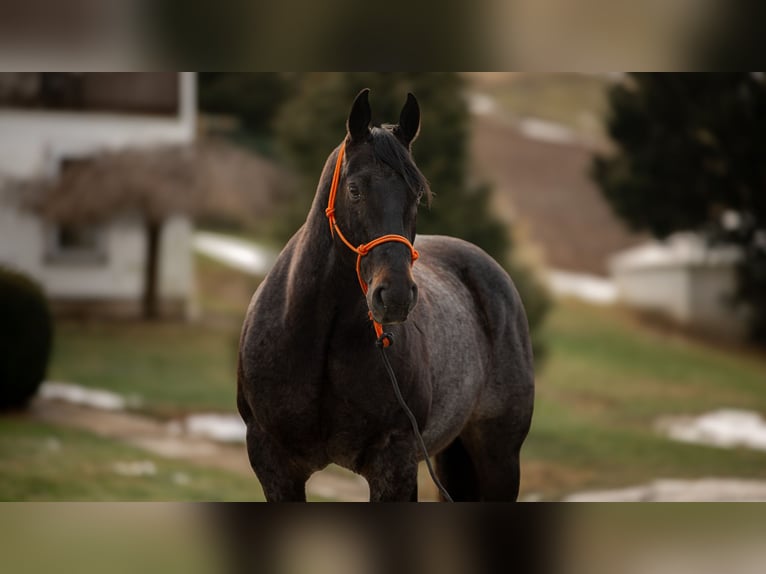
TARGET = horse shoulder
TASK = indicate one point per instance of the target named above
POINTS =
(493, 292)
(281, 355)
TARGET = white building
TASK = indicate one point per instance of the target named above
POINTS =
(684, 279)
(49, 119)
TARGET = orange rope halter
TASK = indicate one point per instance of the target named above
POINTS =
(364, 248)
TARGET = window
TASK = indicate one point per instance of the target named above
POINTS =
(84, 243)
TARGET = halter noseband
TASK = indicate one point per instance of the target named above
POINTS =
(364, 248)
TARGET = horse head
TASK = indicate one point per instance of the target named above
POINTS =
(378, 191)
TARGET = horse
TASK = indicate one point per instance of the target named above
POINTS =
(310, 386)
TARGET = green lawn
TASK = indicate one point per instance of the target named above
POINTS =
(223, 293)
(42, 462)
(607, 380)
(173, 367)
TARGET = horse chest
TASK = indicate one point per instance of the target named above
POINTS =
(358, 410)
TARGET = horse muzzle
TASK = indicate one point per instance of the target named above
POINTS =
(391, 302)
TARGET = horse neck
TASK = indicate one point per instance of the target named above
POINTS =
(322, 268)
(315, 242)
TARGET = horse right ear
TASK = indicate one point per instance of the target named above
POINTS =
(409, 121)
(358, 123)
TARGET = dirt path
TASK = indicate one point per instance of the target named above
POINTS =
(165, 440)
(673, 490)
(169, 441)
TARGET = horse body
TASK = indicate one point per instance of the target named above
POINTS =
(312, 389)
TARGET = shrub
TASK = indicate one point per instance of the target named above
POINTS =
(26, 334)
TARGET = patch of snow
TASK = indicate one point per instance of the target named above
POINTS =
(545, 131)
(181, 479)
(78, 395)
(731, 220)
(668, 490)
(481, 104)
(726, 428)
(53, 444)
(331, 484)
(582, 286)
(135, 468)
(532, 497)
(237, 253)
(218, 427)
(170, 447)
(683, 248)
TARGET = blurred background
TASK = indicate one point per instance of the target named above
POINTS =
(140, 211)
(169, 538)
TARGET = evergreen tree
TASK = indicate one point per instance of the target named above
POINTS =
(690, 156)
(253, 98)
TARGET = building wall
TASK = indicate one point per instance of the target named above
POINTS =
(686, 279)
(663, 289)
(113, 285)
(692, 294)
(33, 143)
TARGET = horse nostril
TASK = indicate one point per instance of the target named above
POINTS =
(394, 300)
(377, 297)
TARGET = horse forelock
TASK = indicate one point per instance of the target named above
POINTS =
(390, 151)
(387, 149)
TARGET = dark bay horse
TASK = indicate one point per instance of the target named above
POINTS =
(311, 386)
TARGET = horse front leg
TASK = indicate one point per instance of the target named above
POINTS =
(282, 476)
(392, 473)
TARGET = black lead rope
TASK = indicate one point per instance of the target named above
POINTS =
(380, 344)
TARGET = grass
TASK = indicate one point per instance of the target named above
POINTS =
(173, 367)
(43, 463)
(224, 293)
(608, 378)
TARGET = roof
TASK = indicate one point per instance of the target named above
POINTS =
(213, 176)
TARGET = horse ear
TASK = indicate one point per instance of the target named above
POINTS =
(409, 120)
(358, 123)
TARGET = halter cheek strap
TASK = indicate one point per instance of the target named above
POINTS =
(364, 248)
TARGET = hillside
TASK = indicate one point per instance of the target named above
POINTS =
(539, 171)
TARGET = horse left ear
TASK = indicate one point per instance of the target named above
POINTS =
(409, 121)
(358, 122)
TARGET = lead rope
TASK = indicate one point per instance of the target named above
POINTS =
(380, 343)
(384, 340)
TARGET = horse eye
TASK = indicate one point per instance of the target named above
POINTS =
(353, 191)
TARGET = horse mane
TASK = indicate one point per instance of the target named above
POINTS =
(389, 150)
